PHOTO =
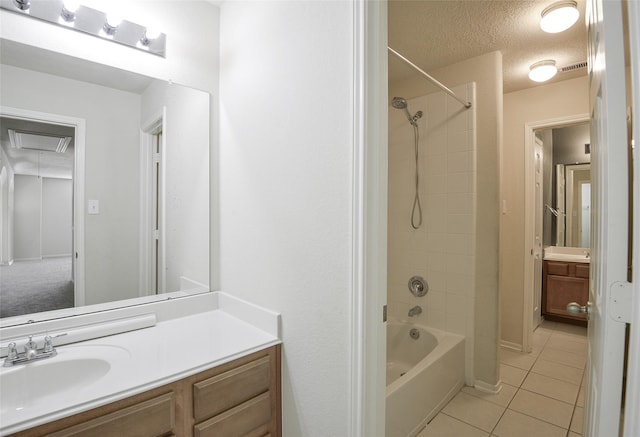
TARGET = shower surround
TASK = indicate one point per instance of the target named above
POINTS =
(443, 250)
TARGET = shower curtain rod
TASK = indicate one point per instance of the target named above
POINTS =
(431, 78)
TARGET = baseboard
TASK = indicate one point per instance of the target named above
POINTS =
(509, 345)
(488, 388)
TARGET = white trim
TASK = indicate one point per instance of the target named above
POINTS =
(369, 201)
(151, 126)
(488, 388)
(358, 323)
(510, 345)
(632, 420)
(529, 206)
(78, 186)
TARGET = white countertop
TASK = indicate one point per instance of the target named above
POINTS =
(567, 254)
(154, 356)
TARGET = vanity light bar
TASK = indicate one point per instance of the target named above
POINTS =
(91, 21)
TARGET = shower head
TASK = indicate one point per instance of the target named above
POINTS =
(401, 103)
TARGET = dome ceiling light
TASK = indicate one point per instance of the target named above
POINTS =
(559, 16)
(542, 71)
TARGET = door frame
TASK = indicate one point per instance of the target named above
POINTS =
(529, 217)
(79, 125)
(155, 124)
(632, 421)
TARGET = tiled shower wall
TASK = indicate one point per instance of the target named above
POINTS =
(443, 250)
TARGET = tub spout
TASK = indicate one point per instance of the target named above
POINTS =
(415, 311)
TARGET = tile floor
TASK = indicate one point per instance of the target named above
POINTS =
(542, 393)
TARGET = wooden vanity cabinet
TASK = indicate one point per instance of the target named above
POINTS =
(239, 398)
(563, 283)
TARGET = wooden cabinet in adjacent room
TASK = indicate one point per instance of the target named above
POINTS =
(239, 398)
(563, 283)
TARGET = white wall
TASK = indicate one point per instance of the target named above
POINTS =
(442, 251)
(26, 217)
(112, 161)
(186, 173)
(6, 210)
(287, 110)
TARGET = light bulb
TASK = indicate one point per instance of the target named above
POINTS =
(542, 71)
(71, 5)
(114, 19)
(559, 16)
(152, 33)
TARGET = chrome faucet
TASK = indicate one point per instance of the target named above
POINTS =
(31, 352)
(415, 311)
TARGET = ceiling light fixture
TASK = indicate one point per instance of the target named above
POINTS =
(543, 70)
(559, 16)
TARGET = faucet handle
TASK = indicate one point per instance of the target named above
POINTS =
(48, 344)
(12, 354)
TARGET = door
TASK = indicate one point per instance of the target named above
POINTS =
(537, 249)
(610, 219)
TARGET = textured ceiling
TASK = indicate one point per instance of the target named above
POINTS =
(434, 34)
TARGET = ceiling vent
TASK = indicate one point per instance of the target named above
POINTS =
(38, 142)
(574, 67)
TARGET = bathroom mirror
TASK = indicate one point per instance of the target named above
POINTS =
(104, 187)
(566, 185)
(577, 200)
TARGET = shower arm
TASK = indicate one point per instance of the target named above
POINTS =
(435, 81)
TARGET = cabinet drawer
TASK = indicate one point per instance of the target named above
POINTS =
(251, 418)
(557, 268)
(154, 417)
(582, 270)
(229, 389)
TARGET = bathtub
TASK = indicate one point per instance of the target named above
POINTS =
(423, 374)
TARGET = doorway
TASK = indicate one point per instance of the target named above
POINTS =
(152, 207)
(41, 245)
(550, 147)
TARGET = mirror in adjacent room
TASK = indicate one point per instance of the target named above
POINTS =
(104, 187)
(566, 185)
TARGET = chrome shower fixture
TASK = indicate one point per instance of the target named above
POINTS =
(401, 103)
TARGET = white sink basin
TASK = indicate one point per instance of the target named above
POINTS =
(67, 375)
(567, 254)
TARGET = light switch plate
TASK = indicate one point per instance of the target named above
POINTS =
(94, 207)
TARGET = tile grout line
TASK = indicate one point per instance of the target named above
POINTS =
(528, 372)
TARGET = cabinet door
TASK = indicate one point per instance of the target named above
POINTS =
(151, 418)
(222, 392)
(562, 290)
(251, 418)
